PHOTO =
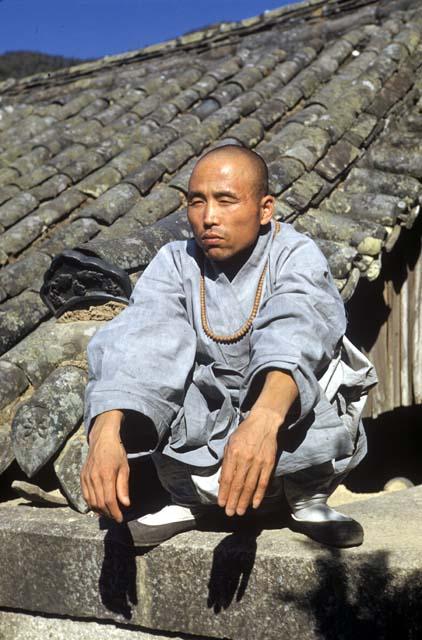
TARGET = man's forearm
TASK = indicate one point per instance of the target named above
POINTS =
(109, 420)
(277, 396)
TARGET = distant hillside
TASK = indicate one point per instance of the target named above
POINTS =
(17, 64)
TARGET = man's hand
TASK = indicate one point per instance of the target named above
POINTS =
(105, 474)
(249, 459)
(250, 454)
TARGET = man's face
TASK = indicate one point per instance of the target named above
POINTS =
(224, 209)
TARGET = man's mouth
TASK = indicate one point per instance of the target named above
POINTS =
(210, 239)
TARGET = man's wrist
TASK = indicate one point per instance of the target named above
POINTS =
(109, 421)
(273, 418)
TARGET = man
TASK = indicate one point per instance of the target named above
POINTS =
(231, 356)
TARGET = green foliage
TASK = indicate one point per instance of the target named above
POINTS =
(18, 64)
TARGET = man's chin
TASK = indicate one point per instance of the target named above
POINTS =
(217, 254)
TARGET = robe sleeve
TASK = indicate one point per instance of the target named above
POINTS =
(141, 359)
(298, 328)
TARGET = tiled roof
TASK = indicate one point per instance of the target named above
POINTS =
(97, 157)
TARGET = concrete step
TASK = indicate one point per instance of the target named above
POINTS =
(273, 584)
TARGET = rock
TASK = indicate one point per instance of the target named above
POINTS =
(397, 484)
(6, 450)
(68, 467)
(37, 495)
(41, 425)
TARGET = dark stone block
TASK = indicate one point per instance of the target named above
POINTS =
(41, 425)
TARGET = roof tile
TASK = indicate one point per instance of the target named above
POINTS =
(338, 158)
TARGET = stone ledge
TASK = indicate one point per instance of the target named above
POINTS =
(15, 625)
(277, 585)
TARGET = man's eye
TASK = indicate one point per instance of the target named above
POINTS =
(193, 203)
(225, 201)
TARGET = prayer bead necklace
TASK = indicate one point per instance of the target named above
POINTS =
(235, 337)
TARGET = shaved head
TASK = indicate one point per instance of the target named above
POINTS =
(228, 202)
(259, 170)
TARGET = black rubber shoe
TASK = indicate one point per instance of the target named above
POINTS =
(342, 533)
(151, 535)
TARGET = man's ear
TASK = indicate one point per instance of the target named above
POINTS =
(267, 208)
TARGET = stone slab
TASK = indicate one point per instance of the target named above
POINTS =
(244, 585)
(22, 626)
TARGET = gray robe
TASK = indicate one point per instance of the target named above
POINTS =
(154, 358)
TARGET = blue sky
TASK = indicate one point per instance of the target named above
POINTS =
(93, 28)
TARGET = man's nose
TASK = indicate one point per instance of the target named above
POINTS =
(211, 214)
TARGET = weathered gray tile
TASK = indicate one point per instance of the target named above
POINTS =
(100, 181)
(23, 273)
(50, 344)
(337, 160)
(51, 188)
(13, 382)
(41, 425)
(69, 236)
(19, 316)
(68, 468)
(17, 208)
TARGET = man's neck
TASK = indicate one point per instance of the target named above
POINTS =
(231, 266)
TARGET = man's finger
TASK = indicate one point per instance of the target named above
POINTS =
(110, 499)
(249, 488)
(84, 487)
(97, 488)
(262, 485)
(236, 488)
(226, 477)
(92, 498)
(122, 485)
